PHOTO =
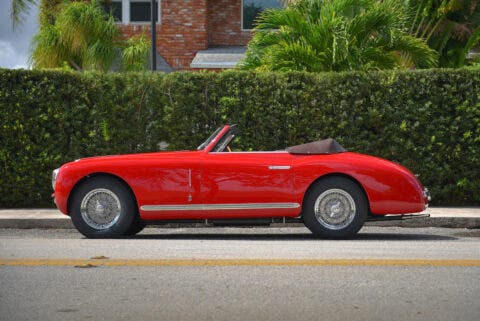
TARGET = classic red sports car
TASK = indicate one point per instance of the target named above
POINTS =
(330, 190)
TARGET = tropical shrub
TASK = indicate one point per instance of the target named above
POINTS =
(336, 35)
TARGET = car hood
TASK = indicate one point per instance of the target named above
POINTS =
(178, 154)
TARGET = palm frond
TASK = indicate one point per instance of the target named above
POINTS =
(135, 53)
(296, 56)
(376, 21)
(99, 56)
(416, 49)
(376, 58)
(18, 9)
(48, 51)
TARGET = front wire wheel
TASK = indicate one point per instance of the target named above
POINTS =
(335, 207)
(100, 208)
(103, 207)
(137, 226)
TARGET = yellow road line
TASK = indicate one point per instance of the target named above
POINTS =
(237, 262)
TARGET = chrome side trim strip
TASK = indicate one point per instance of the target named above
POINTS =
(212, 207)
(278, 167)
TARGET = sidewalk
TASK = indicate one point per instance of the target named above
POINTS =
(453, 217)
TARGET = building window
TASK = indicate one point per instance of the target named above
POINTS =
(114, 8)
(140, 11)
(252, 8)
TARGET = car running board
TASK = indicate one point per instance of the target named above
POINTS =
(228, 222)
(395, 217)
(273, 221)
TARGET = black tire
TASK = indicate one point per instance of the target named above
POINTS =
(111, 192)
(137, 226)
(335, 194)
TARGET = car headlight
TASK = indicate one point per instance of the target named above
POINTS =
(426, 194)
(54, 177)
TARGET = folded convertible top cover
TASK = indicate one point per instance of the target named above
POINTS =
(325, 146)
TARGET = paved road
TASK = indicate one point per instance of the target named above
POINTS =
(241, 274)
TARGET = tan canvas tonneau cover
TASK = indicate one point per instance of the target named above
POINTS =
(325, 146)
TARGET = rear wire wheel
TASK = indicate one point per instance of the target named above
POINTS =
(335, 207)
(103, 207)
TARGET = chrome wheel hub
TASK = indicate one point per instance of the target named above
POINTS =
(335, 209)
(100, 208)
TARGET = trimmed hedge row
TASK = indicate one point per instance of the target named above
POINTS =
(427, 120)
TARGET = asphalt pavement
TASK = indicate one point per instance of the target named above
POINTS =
(385, 273)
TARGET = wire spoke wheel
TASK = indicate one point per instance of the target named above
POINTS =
(335, 209)
(100, 208)
(104, 207)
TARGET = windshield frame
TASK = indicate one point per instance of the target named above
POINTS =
(207, 142)
(224, 138)
(223, 142)
(227, 129)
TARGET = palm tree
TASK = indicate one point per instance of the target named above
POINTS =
(452, 27)
(18, 8)
(83, 37)
(336, 35)
(79, 35)
(48, 10)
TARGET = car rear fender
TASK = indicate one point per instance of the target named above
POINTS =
(336, 174)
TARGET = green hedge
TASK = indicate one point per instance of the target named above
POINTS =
(427, 120)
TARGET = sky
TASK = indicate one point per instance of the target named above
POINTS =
(14, 45)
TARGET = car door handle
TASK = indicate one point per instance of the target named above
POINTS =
(278, 167)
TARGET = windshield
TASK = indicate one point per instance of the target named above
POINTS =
(209, 139)
(226, 138)
(224, 141)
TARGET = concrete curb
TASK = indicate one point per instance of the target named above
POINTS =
(449, 222)
(31, 223)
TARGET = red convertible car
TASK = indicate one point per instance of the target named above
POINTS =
(330, 190)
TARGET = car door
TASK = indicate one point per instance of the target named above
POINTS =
(247, 184)
(168, 187)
